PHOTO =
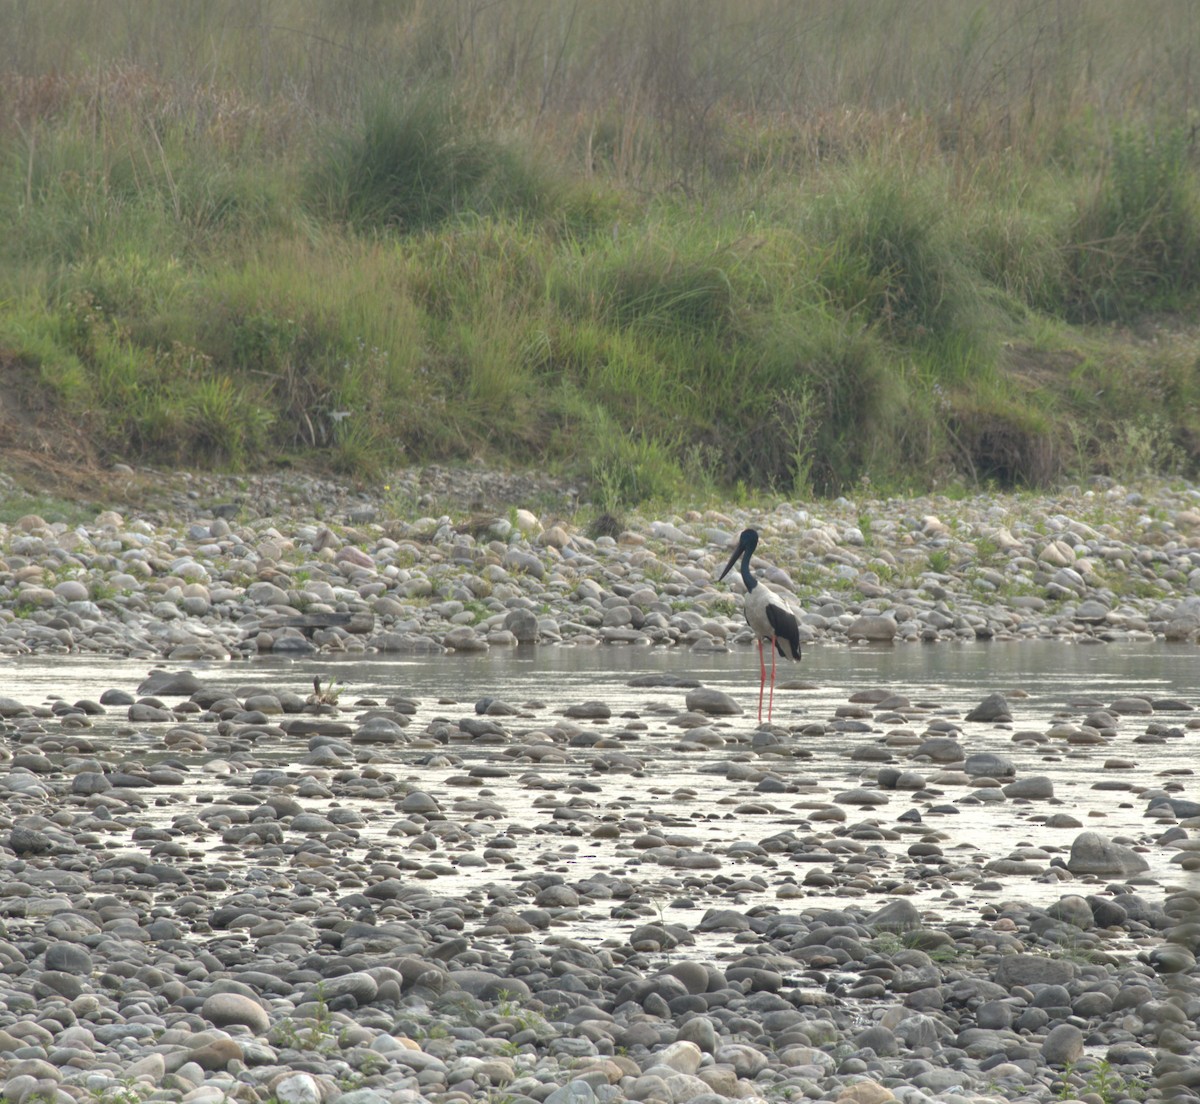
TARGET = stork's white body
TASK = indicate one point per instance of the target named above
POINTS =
(765, 610)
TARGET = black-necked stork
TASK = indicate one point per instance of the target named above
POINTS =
(767, 614)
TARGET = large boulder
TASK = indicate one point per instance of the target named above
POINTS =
(1092, 853)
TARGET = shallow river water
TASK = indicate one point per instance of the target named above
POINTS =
(691, 793)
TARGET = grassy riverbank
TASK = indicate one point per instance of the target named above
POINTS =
(769, 244)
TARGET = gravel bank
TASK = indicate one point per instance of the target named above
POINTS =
(294, 565)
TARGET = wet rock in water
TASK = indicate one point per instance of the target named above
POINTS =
(1035, 787)
(1023, 970)
(728, 920)
(941, 749)
(556, 896)
(666, 680)
(714, 702)
(1074, 910)
(993, 708)
(10, 707)
(989, 764)
(523, 624)
(90, 782)
(464, 639)
(379, 730)
(145, 713)
(861, 796)
(418, 801)
(895, 916)
(1092, 853)
(1131, 705)
(873, 628)
(169, 684)
(1182, 628)
(1181, 807)
(1063, 820)
(588, 710)
(894, 779)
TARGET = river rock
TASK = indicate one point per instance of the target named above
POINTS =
(989, 764)
(169, 684)
(1092, 853)
(1024, 970)
(873, 628)
(715, 702)
(224, 1009)
(523, 624)
(1063, 1045)
(464, 639)
(895, 916)
(1034, 787)
(589, 710)
(993, 708)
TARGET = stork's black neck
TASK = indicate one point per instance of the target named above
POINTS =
(750, 581)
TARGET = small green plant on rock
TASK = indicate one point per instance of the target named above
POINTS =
(478, 610)
(986, 549)
(315, 1033)
(325, 695)
(126, 1091)
(1102, 1081)
(369, 1068)
(939, 561)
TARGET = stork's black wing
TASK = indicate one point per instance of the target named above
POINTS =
(786, 629)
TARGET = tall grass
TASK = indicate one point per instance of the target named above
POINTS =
(1136, 236)
(410, 164)
(672, 246)
(891, 259)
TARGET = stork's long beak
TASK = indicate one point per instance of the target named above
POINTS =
(732, 559)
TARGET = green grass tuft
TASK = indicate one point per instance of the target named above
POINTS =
(414, 161)
(1135, 240)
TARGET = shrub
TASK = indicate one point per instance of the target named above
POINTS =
(626, 469)
(411, 164)
(808, 405)
(657, 283)
(887, 257)
(1134, 243)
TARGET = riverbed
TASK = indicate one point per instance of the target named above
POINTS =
(334, 804)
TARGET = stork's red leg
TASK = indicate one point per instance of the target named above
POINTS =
(762, 678)
(771, 700)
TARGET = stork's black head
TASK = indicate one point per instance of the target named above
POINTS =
(746, 545)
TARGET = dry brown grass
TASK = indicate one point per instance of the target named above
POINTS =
(674, 89)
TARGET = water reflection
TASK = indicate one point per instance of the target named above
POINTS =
(1052, 674)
